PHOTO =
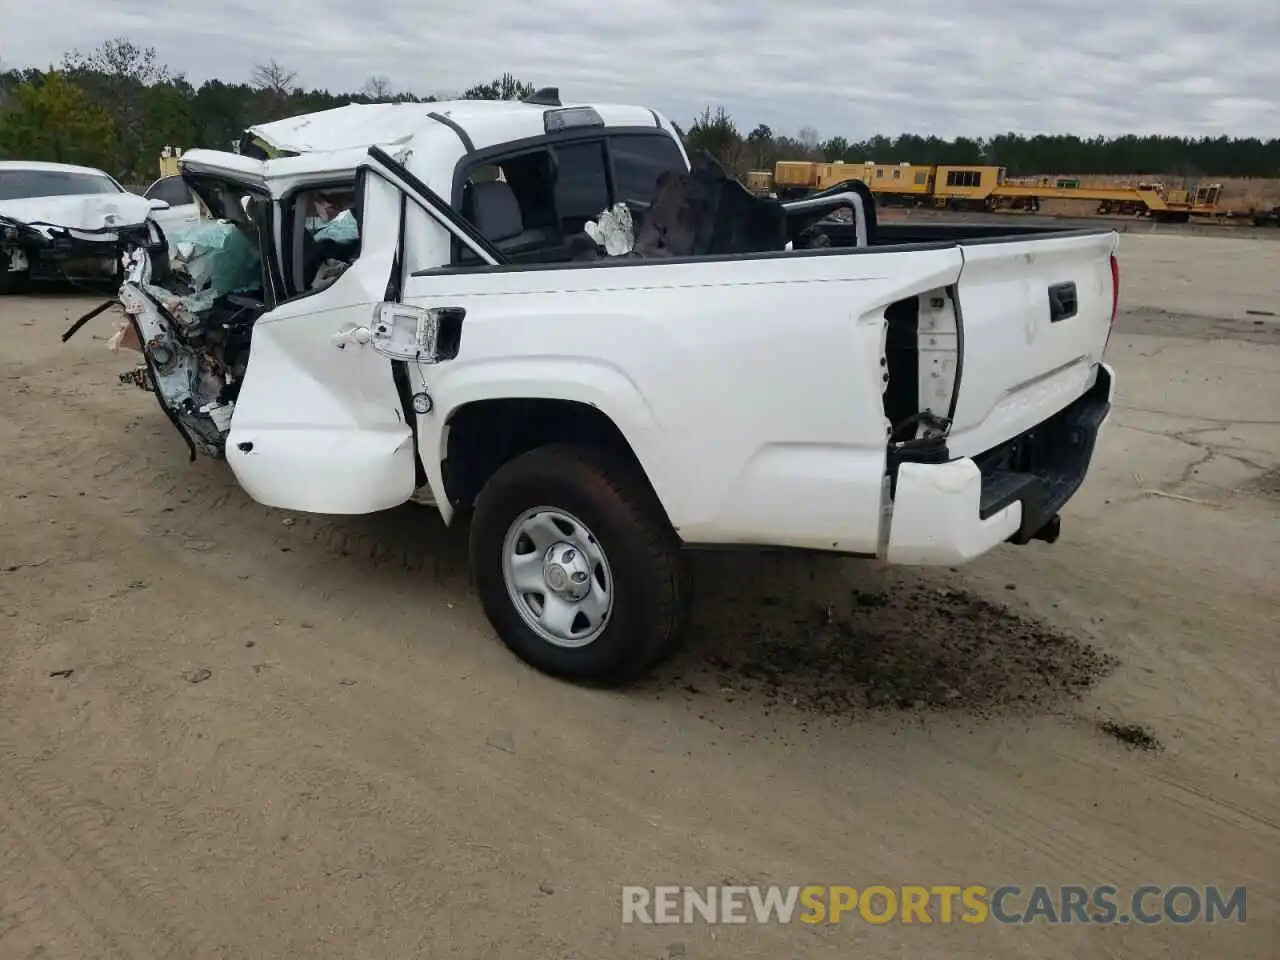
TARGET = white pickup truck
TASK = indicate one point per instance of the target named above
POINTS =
(921, 394)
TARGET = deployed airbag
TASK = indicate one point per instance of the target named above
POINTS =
(218, 258)
(341, 229)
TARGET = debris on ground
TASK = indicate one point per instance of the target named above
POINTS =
(1133, 735)
(501, 740)
(198, 675)
(14, 568)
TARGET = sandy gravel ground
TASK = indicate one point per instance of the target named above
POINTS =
(226, 731)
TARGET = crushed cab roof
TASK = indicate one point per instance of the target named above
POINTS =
(486, 122)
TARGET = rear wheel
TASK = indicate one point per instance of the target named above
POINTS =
(576, 565)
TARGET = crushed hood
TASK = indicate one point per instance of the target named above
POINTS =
(86, 212)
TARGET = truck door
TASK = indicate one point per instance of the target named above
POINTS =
(319, 424)
(413, 337)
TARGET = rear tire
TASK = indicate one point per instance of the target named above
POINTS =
(594, 511)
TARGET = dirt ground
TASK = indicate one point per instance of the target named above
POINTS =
(226, 731)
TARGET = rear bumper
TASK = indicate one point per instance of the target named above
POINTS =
(950, 513)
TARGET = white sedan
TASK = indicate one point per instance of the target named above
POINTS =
(59, 221)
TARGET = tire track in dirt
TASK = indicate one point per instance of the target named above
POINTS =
(78, 885)
(203, 500)
(37, 918)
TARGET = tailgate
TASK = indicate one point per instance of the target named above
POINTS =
(1035, 315)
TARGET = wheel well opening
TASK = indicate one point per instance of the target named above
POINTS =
(486, 434)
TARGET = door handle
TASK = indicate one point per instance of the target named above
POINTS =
(351, 336)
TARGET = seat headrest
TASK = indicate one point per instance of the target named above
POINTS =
(495, 211)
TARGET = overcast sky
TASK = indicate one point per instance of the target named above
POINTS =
(948, 67)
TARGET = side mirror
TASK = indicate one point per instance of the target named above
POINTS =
(158, 204)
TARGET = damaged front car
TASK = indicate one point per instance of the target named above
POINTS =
(68, 223)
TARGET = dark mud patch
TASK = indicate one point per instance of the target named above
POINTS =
(898, 646)
(1133, 735)
(1268, 485)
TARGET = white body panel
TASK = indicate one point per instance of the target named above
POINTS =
(318, 424)
(935, 517)
(1017, 365)
(755, 422)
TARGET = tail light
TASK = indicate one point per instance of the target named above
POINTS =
(1115, 298)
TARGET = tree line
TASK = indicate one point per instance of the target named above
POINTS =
(1023, 155)
(117, 105)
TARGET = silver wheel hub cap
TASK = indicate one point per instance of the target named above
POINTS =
(557, 576)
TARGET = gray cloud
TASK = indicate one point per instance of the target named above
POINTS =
(948, 67)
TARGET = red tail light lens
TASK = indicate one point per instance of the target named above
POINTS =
(1115, 298)
(1115, 286)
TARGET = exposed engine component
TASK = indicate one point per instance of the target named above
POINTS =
(192, 319)
(195, 342)
(139, 377)
(161, 355)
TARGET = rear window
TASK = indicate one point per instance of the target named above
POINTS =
(638, 161)
(25, 184)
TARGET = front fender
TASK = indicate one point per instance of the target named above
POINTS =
(576, 380)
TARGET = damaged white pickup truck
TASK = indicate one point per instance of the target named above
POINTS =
(538, 314)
